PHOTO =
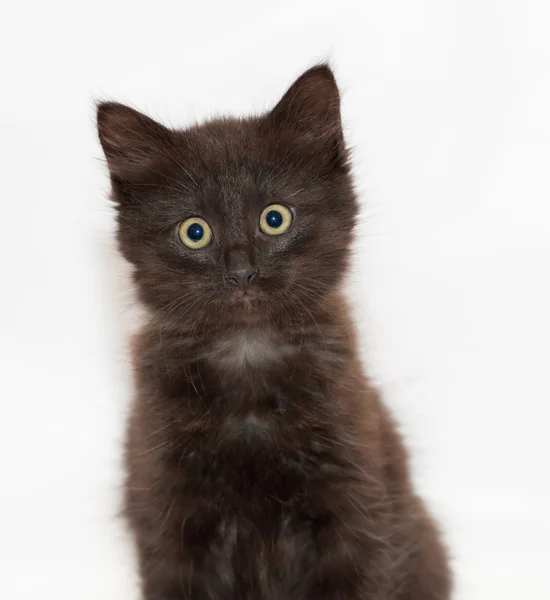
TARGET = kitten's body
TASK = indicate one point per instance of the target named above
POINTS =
(261, 464)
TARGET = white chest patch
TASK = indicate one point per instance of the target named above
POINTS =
(248, 350)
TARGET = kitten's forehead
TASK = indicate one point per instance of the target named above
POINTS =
(226, 143)
(234, 168)
(247, 152)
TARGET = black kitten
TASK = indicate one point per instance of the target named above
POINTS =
(261, 464)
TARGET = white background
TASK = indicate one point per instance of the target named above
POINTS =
(447, 105)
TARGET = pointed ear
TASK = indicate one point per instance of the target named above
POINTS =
(311, 107)
(131, 141)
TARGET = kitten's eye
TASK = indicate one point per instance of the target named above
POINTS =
(195, 233)
(275, 219)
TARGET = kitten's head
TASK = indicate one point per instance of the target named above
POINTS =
(245, 219)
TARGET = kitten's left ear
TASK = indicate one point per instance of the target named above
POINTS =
(311, 107)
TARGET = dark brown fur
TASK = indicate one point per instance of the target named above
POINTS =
(261, 464)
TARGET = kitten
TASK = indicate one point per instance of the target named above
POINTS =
(261, 464)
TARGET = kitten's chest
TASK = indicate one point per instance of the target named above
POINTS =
(247, 460)
(267, 432)
(254, 503)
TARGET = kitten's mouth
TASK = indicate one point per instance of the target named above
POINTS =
(246, 300)
(246, 297)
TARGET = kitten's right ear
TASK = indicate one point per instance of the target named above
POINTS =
(132, 142)
(311, 108)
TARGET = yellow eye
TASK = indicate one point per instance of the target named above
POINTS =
(275, 219)
(195, 233)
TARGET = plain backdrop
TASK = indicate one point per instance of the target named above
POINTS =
(447, 107)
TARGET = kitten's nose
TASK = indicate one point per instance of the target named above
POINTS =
(239, 270)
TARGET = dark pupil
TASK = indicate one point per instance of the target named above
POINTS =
(274, 219)
(195, 232)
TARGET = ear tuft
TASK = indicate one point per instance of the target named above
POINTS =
(131, 140)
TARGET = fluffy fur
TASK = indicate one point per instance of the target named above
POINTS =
(261, 463)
